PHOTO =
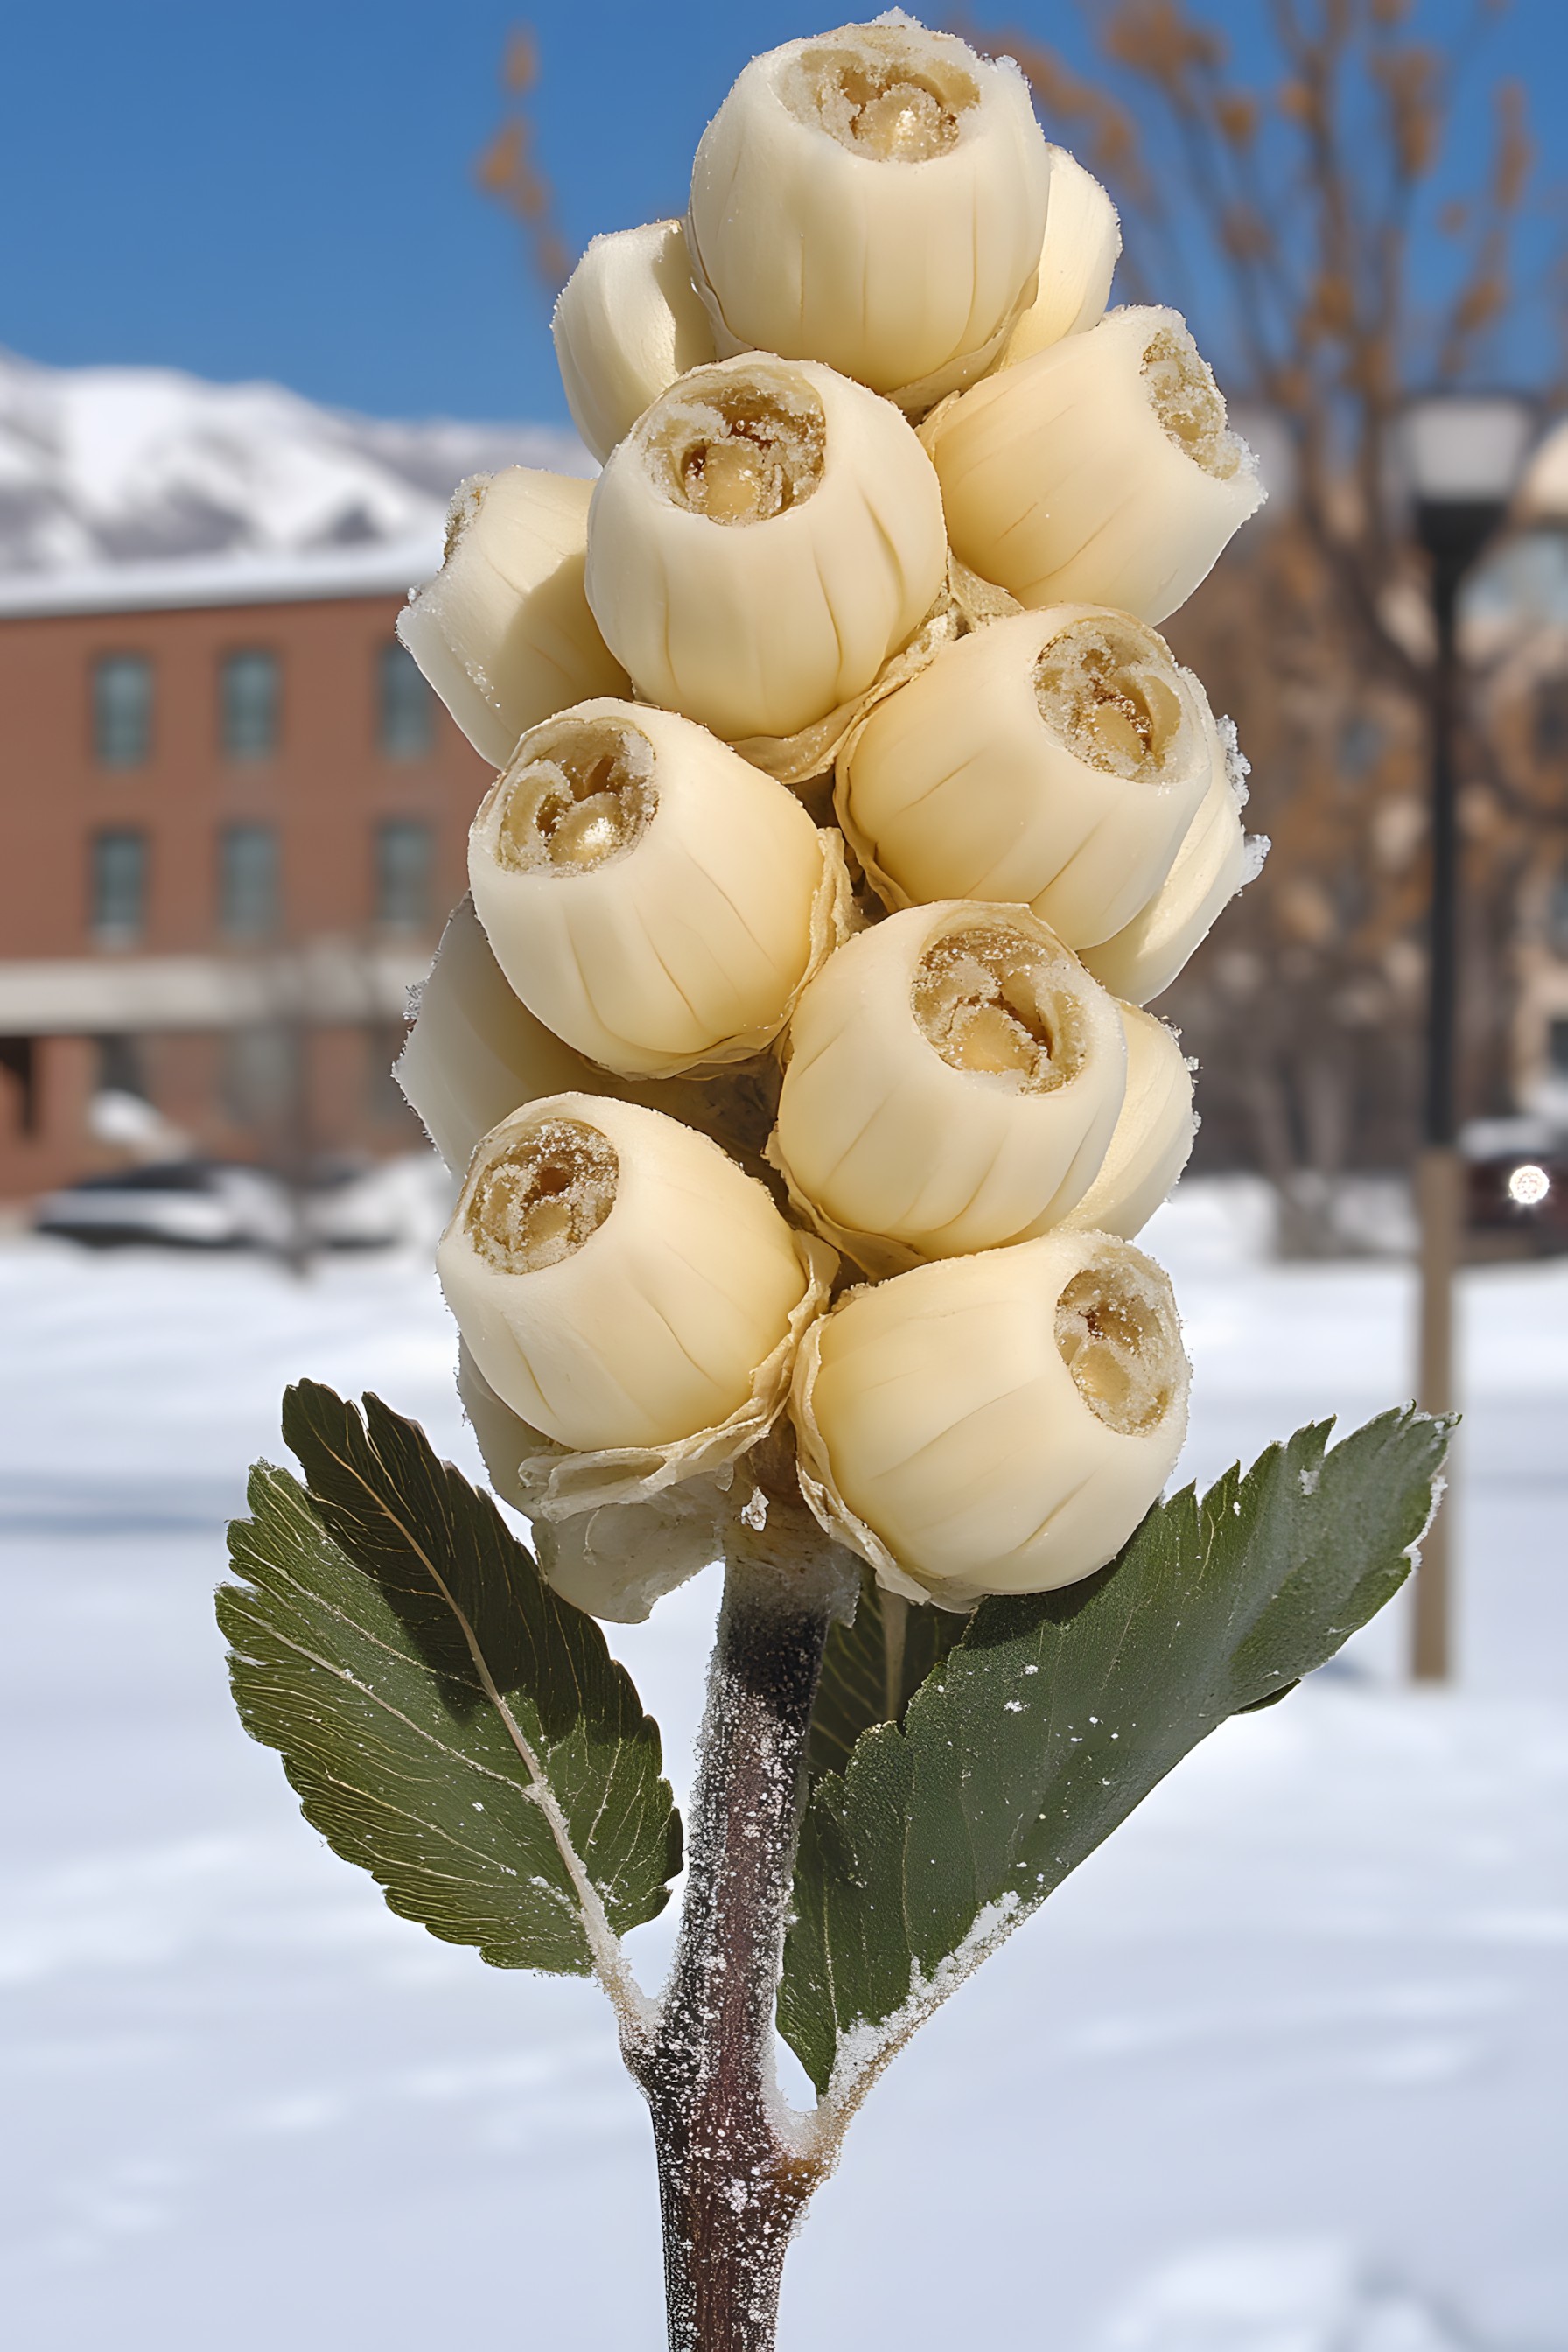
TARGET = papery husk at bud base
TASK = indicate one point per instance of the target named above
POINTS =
(875, 199)
(799, 759)
(1077, 262)
(763, 626)
(1056, 758)
(1061, 482)
(964, 602)
(897, 1153)
(615, 1559)
(946, 1438)
(1216, 860)
(476, 1054)
(1154, 1137)
(707, 899)
(503, 633)
(629, 322)
(661, 1327)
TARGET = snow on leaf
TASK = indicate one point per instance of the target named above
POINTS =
(1210, 1609)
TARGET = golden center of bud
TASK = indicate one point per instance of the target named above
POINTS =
(1109, 690)
(739, 449)
(539, 1199)
(1118, 1336)
(586, 795)
(882, 98)
(990, 1000)
(1189, 404)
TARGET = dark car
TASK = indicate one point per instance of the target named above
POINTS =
(192, 1204)
(1517, 1183)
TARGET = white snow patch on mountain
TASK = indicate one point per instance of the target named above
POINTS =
(126, 465)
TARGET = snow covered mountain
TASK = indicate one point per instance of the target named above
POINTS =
(112, 464)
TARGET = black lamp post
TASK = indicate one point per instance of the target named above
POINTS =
(1462, 455)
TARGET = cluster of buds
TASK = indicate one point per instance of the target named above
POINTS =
(790, 1045)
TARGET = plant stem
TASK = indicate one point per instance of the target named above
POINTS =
(732, 2184)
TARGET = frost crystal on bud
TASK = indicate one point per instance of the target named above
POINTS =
(1083, 245)
(1216, 859)
(953, 1083)
(628, 324)
(617, 1277)
(1154, 1137)
(997, 1424)
(760, 543)
(875, 199)
(1056, 758)
(651, 898)
(503, 633)
(1103, 468)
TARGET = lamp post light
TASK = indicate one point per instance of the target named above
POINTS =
(1460, 459)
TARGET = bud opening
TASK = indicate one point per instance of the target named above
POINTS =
(541, 1198)
(1109, 693)
(1116, 1333)
(988, 999)
(587, 796)
(739, 449)
(1190, 405)
(882, 98)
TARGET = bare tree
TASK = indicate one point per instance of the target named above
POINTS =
(508, 170)
(1330, 272)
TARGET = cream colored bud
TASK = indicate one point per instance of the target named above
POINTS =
(618, 1279)
(651, 898)
(875, 199)
(475, 1054)
(629, 322)
(614, 1561)
(1083, 245)
(1101, 470)
(1056, 758)
(953, 1083)
(999, 1423)
(1215, 861)
(503, 632)
(1154, 1137)
(760, 543)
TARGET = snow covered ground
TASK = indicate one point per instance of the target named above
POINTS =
(1284, 2068)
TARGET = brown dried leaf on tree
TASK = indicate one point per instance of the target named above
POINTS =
(507, 170)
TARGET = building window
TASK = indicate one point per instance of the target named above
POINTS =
(248, 697)
(403, 873)
(117, 885)
(247, 881)
(406, 708)
(383, 1096)
(121, 709)
(262, 1076)
(121, 1069)
(19, 1059)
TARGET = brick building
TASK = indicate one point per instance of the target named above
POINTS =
(232, 818)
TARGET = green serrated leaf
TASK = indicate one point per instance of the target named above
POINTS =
(1058, 1713)
(447, 1722)
(872, 1670)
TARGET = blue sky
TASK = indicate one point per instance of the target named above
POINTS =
(285, 190)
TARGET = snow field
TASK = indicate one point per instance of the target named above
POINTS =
(1283, 2069)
